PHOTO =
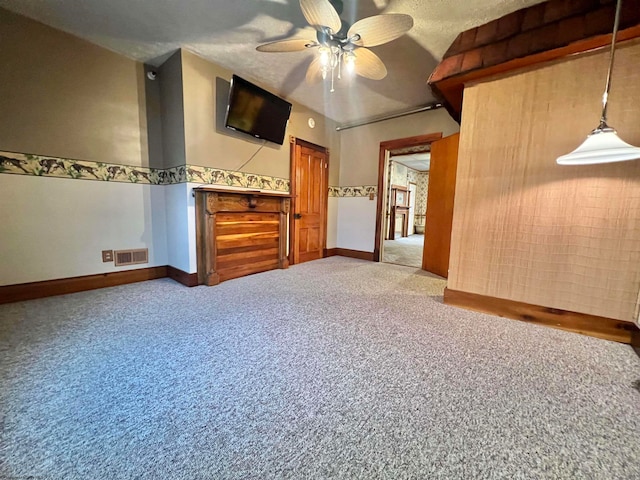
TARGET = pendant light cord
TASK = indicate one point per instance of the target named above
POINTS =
(252, 157)
(605, 96)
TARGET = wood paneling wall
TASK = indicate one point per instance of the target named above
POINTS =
(529, 230)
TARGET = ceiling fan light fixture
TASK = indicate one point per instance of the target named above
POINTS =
(324, 53)
(350, 62)
(603, 145)
(336, 48)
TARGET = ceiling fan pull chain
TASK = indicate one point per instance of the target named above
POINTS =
(332, 89)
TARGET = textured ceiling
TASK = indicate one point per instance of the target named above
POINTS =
(226, 32)
(417, 161)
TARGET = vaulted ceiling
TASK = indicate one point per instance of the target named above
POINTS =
(227, 32)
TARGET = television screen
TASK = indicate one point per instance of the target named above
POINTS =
(256, 112)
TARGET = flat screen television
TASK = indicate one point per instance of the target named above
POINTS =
(256, 112)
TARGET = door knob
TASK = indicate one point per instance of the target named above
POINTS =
(297, 216)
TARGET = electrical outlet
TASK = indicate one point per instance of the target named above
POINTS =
(107, 256)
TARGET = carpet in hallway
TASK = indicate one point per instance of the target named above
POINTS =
(404, 251)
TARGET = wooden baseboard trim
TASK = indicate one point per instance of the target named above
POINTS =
(591, 325)
(187, 279)
(635, 341)
(345, 252)
(49, 288)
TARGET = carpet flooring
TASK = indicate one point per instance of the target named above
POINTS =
(337, 368)
(404, 251)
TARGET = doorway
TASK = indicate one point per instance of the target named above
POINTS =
(400, 218)
(404, 224)
(309, 187)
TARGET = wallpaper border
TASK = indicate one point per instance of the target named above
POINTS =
(56, 167)
(353, 191)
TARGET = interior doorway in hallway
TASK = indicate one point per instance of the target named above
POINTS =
(407, 185)
(403, 179)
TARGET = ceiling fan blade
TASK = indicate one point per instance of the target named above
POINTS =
(369, 65)
(314, 72)
(380, 29)
(291, 45)
(320, 13)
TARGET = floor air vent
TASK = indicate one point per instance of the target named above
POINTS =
(131, 257)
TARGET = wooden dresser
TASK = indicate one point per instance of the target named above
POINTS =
(239, 233)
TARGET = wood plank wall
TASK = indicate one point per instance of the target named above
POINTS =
(529, 230)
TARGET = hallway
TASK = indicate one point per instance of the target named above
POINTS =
(404, 251)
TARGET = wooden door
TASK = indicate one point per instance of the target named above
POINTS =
(439, 216)
(310, 203)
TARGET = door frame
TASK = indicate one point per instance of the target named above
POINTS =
(383, 160)
(293, 191)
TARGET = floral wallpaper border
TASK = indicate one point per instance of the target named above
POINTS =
(43, 166)
(356, 191)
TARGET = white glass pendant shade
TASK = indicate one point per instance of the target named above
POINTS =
(601, 146)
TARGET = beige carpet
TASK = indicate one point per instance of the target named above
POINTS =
(404, 251)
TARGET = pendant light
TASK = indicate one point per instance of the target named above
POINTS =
(603, 144)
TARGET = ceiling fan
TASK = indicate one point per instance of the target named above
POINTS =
(340, 45)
